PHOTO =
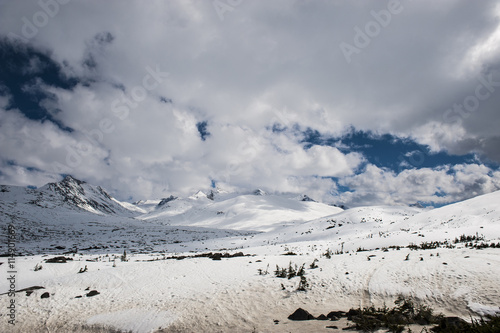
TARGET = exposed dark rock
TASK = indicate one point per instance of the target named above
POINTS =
(211, 255)
(164, 201)
(352, 313)
(321, 317)
(452, 324)
(69, 179)
(336, 315)
(31, 288)
(45, 295)
(27, 290)
(16, 254)
(211, 195)
(92, 293)
(259, 192)
(301, 314)
(307, 198)
(216, 256)
(58, 260)
(344, 207)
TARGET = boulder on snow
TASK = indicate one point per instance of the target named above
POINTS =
(301, 314)
(453, 323)
(58, 260)
(216, 256)
(353, 313)
(45, 295)
(336, 315)
(92, 293)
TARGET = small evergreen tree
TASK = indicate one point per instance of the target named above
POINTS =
(303, 284)
(280, 272)
(291, 271)
(301, 271)
(124, 256)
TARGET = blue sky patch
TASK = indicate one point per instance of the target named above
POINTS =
(202, 129)
(22, 71)
(386, 150)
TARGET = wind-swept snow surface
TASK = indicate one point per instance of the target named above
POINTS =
(157, 272)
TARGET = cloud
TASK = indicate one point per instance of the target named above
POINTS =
(262, 64)
(439, 185)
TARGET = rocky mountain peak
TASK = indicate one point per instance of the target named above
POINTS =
(164, 201)
(72, 180)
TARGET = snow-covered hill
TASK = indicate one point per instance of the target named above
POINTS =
(242, 212)
(382, 226)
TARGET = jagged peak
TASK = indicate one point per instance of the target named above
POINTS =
(305, 197)
(199, 194)
(71, 179)
(416, 205)
(164, 201)
(259, 192)
(211, 195)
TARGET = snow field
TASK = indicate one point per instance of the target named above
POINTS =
(203, 295)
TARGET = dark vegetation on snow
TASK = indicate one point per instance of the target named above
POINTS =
(405, 312)
(213, 256)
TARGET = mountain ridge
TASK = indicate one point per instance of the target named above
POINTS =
(73, 207)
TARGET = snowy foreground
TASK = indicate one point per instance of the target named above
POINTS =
(157, 290)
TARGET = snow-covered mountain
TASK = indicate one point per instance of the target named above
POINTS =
(75, 206)
(68, 194)
(72, 214)
(240, 212)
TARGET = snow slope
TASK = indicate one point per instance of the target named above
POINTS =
(383, 226)
(202, 295)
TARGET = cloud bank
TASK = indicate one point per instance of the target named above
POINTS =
(172, 96)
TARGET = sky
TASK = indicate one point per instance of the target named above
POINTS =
(350, 102)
